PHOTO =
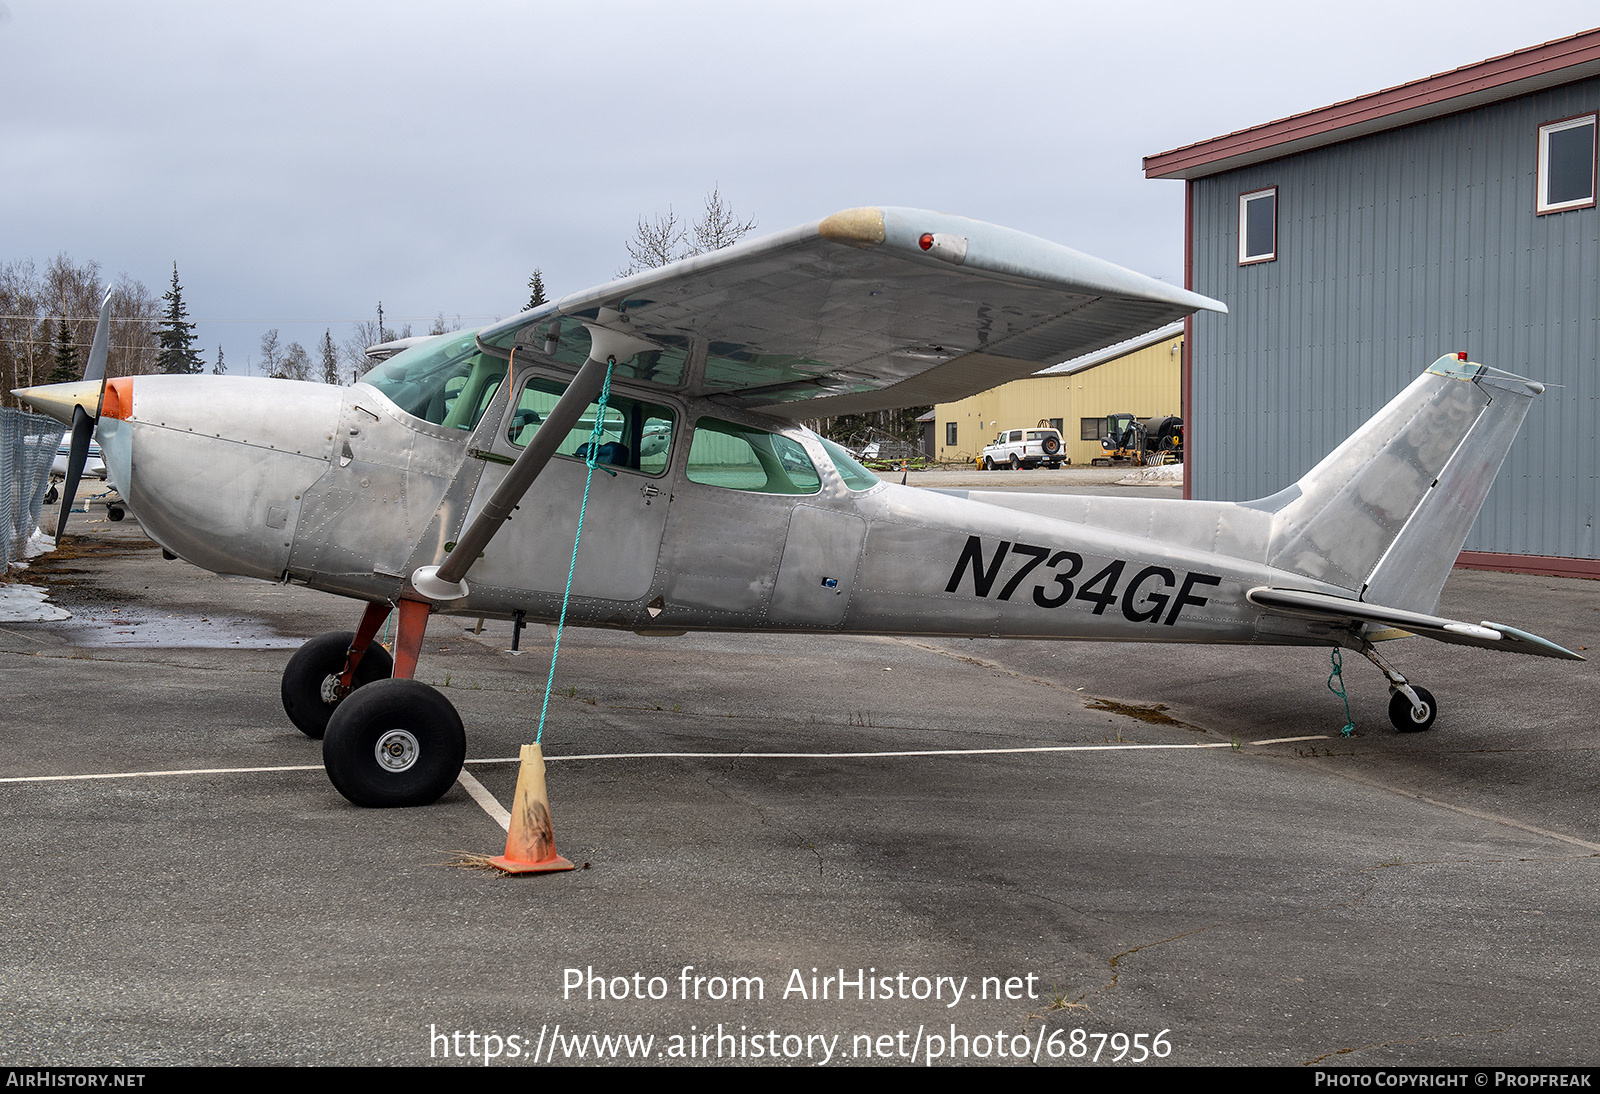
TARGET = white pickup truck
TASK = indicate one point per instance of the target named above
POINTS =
(1017, 448)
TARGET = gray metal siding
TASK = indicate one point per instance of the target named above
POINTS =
(1392, 250)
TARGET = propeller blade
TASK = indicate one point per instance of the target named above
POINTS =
(83, 422)
(82, 430)
(96, 368)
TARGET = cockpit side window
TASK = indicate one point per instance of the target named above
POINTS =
(446, 381)
(635, 434)
(738, 457)
(854, 475)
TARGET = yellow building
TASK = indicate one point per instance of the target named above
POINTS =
(1141, 376)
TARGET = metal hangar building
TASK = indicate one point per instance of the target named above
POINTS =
(1356, 244)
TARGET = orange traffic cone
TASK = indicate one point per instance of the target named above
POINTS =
(531, 841)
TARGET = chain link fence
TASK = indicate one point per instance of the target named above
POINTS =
(28, 444)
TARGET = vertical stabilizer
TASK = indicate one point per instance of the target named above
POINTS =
(1386, 513)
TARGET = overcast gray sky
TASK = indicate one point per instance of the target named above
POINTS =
(303, 160)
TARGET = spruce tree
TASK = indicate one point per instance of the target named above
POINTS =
(330, 360)
(536, 294)
(175, 334)
(66, 369)
(219, 368)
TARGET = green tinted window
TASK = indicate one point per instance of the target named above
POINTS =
(738, 457)
(446, 380)
(635, 435)
(854, 475)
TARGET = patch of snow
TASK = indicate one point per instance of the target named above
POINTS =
(1166, 475)
(27, 604)
(39, 544)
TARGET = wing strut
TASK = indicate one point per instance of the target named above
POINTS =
(607, 346)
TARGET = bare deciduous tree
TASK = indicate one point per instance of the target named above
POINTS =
(272, 353)
(354, 348)
(296, 362)
(719, 226)
(655, 243)
(662, 240)
(33, 304)
(134, 310)
(22, 355)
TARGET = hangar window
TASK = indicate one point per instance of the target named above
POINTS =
(737, 457)
(635, 435)
(950, 434)
(1567, 165)
(1091, 429)
(1258, 226)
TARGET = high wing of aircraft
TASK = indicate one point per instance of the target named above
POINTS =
(451, 478)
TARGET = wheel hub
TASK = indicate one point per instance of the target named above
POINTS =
(396, 750)
(333, 691)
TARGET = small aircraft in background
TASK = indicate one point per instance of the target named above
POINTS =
(93, 465)
(450, 480)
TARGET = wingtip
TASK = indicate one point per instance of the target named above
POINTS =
(862, 227)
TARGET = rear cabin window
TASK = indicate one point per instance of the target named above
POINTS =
(636, 435)
(738, 457)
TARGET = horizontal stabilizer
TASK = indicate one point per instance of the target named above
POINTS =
(1336, 609)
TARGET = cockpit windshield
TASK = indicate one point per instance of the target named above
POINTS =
(447, 380)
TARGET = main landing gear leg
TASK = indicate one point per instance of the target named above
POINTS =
(371, 619)
(408, 637)
(1411, 709)
(396, 742)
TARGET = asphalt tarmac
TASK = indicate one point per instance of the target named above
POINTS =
(964, 851)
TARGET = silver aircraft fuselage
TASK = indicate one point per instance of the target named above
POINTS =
(340, 490)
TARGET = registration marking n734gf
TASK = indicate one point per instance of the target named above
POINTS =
(1144, 598)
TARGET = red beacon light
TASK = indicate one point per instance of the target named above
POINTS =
(942, 245)
(1461, 356)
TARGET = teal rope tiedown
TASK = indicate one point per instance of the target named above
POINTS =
(1338, 674)
(593, 460)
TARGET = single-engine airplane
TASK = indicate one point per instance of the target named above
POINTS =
(449, 479)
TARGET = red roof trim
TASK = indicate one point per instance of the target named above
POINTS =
(1370, 111)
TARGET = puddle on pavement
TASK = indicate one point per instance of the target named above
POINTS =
(138, 627)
